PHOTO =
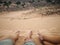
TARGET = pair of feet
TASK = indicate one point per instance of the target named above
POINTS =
(30, 35)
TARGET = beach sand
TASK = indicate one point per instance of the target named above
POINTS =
(28, 20)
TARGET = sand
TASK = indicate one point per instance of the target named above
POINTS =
(28, 20)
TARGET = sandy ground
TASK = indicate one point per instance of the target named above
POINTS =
(28, 20)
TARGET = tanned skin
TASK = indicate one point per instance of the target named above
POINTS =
(29, 37)
(17, 37)
(43, 38)
(13, 38)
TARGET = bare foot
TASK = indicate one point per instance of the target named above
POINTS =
(40, 36)
(31, 33)
(29, 37)
(18, 33)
